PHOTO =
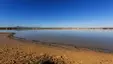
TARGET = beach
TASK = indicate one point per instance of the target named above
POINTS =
(21, 51)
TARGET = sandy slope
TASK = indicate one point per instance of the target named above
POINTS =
(17, 52)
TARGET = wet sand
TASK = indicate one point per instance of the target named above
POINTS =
(14, 51)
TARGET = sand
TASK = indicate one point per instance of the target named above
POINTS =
(15, 51)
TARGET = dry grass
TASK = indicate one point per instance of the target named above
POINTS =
(47, 59)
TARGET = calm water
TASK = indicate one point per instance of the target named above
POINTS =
(82, 38)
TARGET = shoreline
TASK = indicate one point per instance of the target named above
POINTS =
(19, 51)
(11, 35)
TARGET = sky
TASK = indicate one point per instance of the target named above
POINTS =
(56, 13)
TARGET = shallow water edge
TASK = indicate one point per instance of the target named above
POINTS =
(65, 46)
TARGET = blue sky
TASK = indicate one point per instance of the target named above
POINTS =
(57, 13)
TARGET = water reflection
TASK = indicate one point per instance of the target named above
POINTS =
(82, 38)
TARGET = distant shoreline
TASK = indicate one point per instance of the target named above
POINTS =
(54, 28)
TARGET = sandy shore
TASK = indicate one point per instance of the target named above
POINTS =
(14, 51)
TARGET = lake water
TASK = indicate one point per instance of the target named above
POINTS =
(81, 38)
